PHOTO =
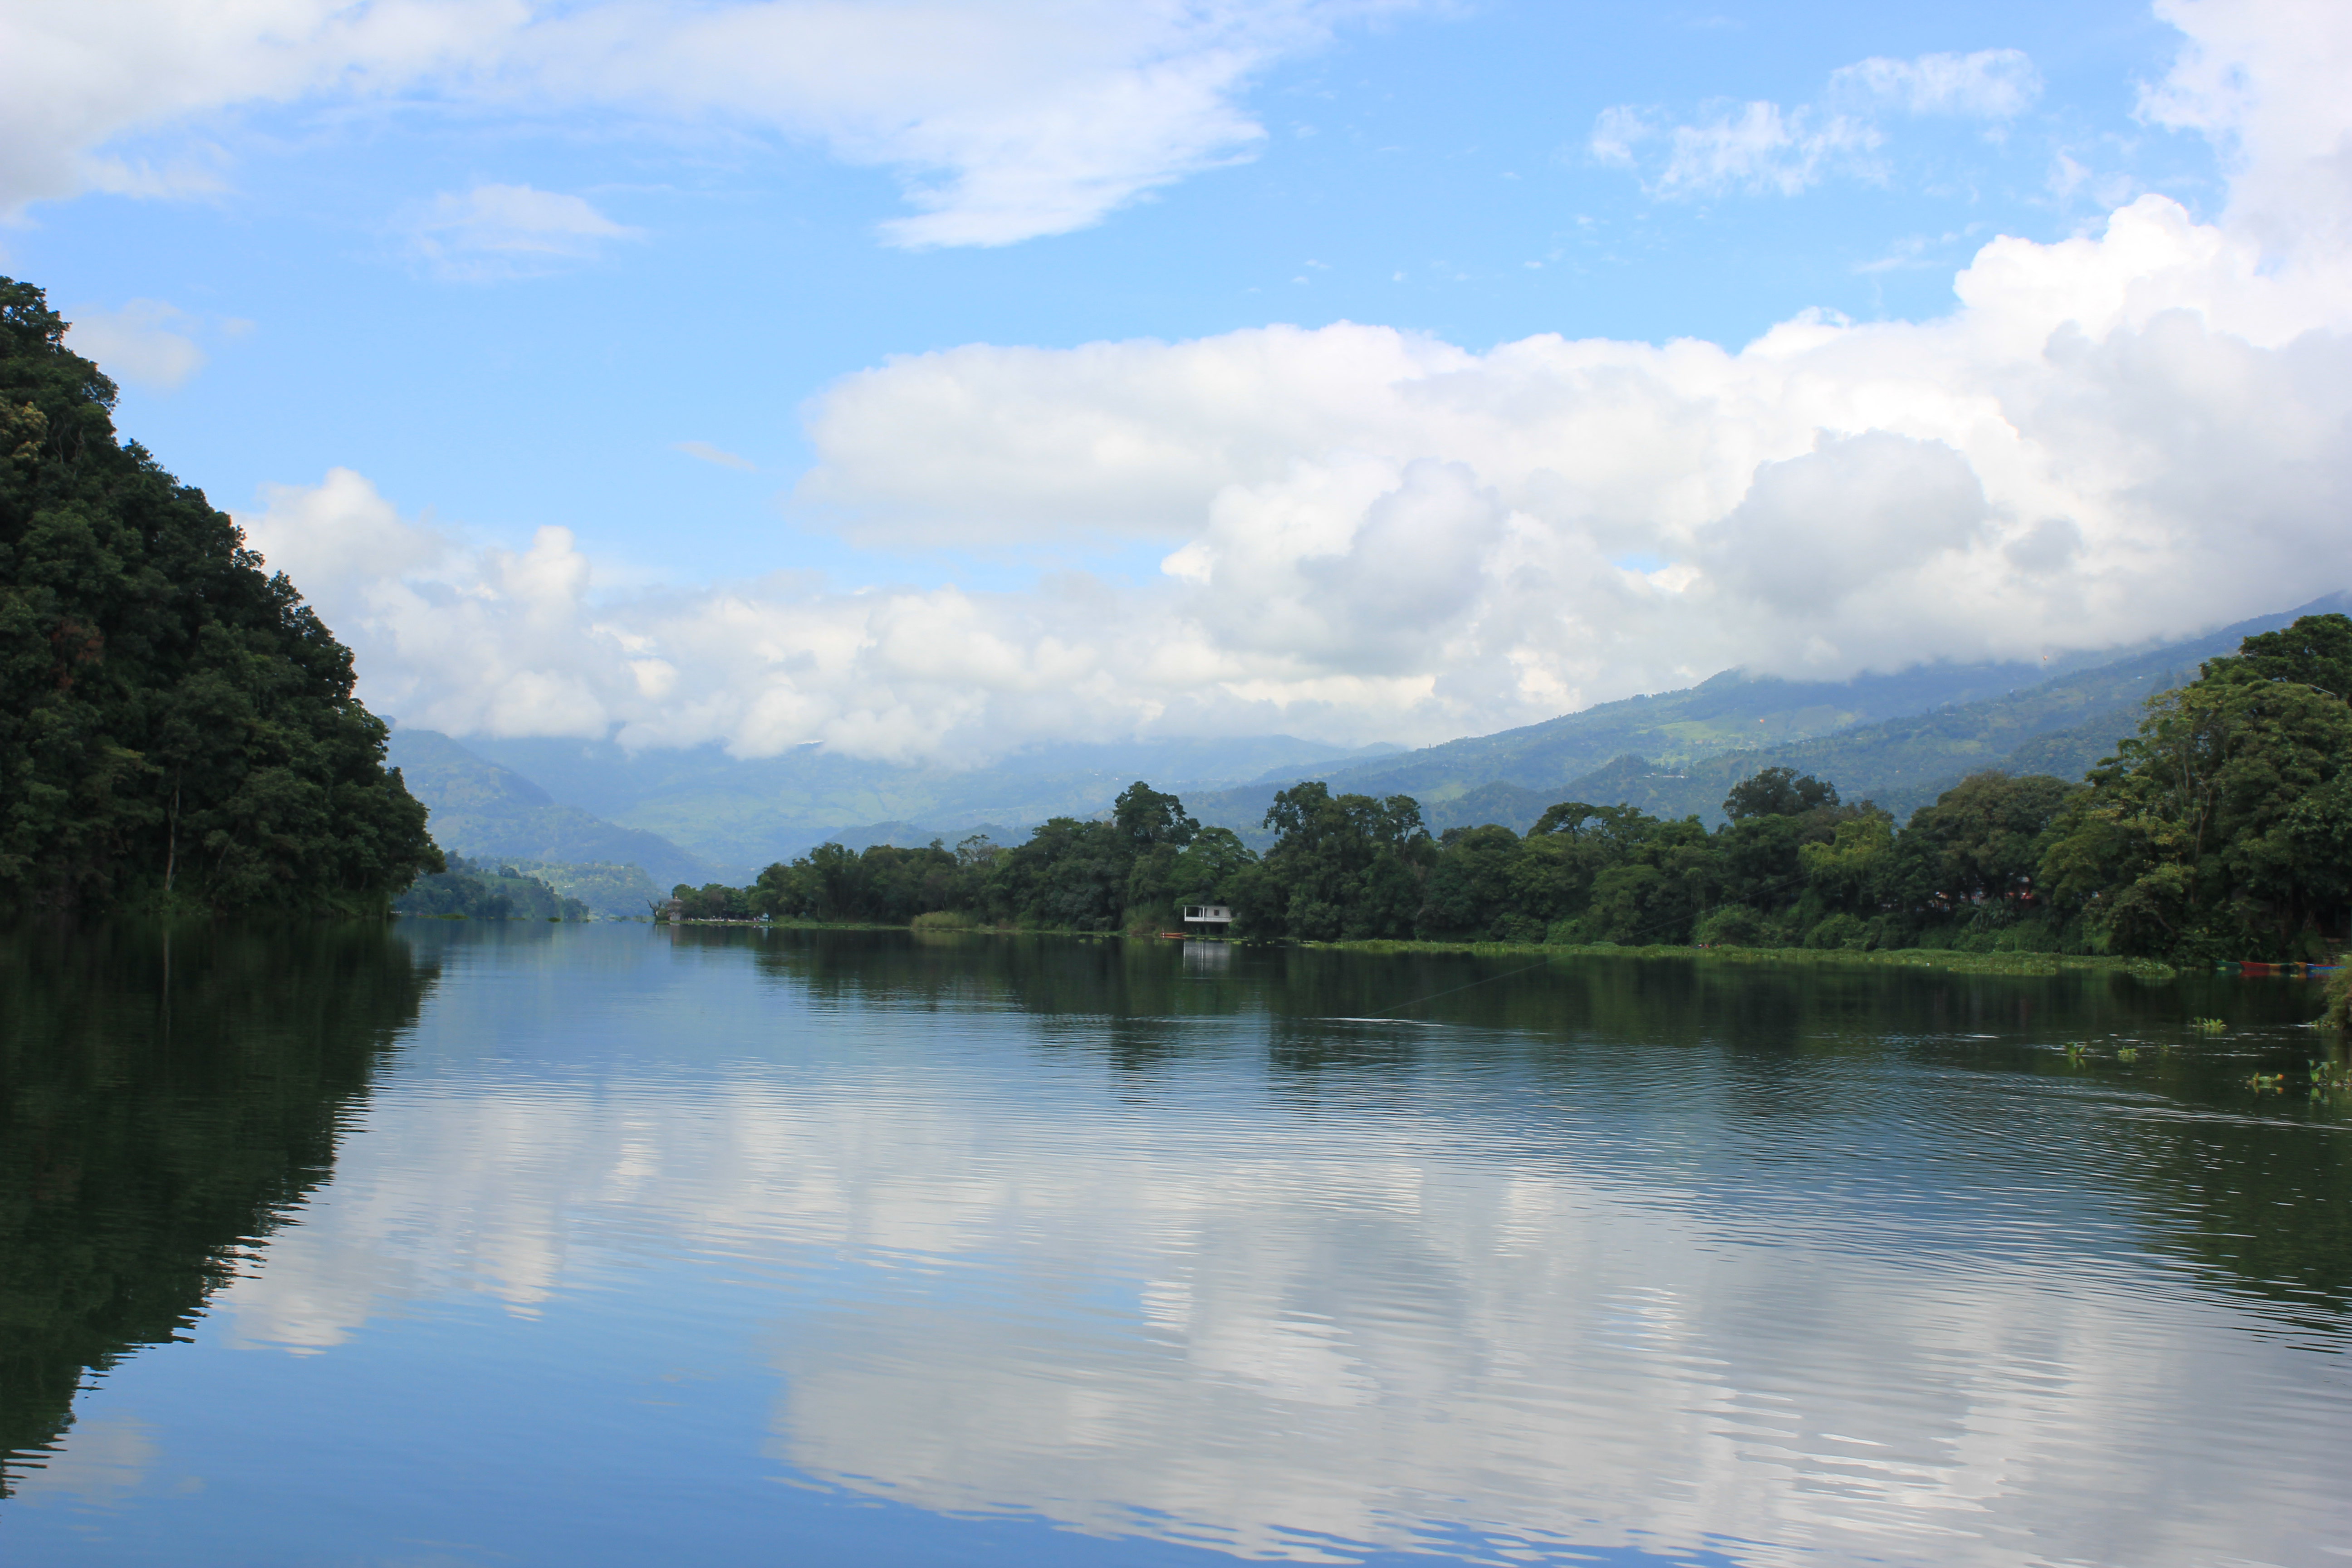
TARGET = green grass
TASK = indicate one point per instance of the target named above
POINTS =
(1949, 960)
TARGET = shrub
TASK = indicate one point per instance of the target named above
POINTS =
(1840, 930)
(1732, 925)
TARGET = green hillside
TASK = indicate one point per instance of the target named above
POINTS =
(489, 812)
(2064, 727)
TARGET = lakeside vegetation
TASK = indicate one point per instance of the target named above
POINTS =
(2222, 831)
(177, 727)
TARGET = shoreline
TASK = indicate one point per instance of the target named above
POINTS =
(1956, 960)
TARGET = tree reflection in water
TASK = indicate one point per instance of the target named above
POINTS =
(167, 1095)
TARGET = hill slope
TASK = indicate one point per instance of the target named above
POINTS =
(481, 809)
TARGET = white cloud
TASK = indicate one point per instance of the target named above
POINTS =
(1990, 84)
(1372, 533)
(508, 231)
(2266, 82)
(1762, 147)
(703, 451)
(144, 344)
(1003, 119)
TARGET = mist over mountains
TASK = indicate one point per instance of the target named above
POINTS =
(1901, 739)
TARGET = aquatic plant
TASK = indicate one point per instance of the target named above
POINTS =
(2209, 1026)
(2127, 1053)
(2336, 1013)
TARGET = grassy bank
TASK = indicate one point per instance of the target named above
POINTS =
(1949, 960)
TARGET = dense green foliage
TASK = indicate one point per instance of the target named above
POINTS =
(174, 722)
(2223, 830)
(476, 889)
(2225, 827)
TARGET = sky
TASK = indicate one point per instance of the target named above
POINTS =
(926, 379)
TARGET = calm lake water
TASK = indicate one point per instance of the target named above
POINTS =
(492, 1244)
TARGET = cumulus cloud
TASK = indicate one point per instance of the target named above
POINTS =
(1762, 147)
(146, 343)
(1003, 118)
(508, 231)
(1374, 533)
(2266, 82)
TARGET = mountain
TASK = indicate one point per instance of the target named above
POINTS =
(1900, 740)
(751, 811)
(489, 812)
(2064, 726)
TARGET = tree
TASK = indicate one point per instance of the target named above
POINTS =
(175, 723)
(1474, 889)
(1207, 870)
(1345, 866)
(1773, 817)
(1613, 873)
(1777, 792)
(2217, 831)
(1980, 843)
(2316, 650)
(1149, 820)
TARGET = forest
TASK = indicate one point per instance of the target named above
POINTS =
(177, 727)
(2221, 830)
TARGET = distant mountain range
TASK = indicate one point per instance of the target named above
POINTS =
(1901, 740)
(701, 815)
(489, 812)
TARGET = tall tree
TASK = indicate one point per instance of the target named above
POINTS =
(1349, 865)
(2220, 830)
(175, 721)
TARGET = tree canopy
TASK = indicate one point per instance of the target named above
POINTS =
(175, 723)
(2223, 830)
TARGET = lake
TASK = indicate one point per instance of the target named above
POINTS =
(455, 1243)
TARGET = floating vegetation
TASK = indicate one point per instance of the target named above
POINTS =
(2127, 1053)
(2268, 1083)
(2076, 1051)
(2209, 1026)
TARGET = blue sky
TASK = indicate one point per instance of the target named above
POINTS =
(516, 284)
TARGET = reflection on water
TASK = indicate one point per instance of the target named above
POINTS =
(166, 1096)
(1160, 1246)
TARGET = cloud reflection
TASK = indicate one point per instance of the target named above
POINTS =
(987, 1288)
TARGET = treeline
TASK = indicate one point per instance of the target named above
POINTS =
(2222, 830)
(480, 890)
